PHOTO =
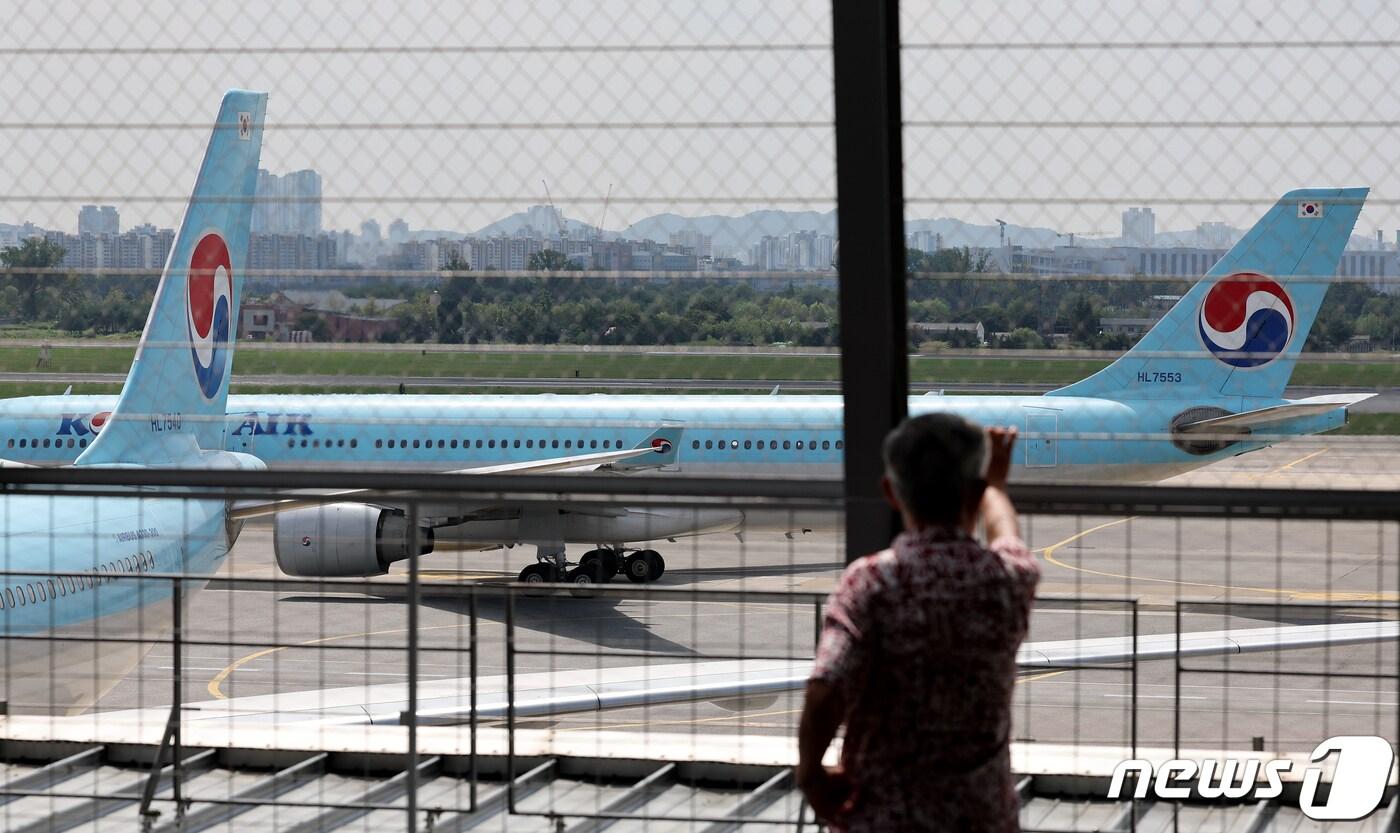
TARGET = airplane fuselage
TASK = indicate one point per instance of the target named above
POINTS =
(1064, 438)
(74, 609)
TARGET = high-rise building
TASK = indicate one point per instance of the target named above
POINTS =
(421, 254)
(291, 252)
(143, 247)
(98, 220)
(302, 190)
(544, 222)
(703, 244)
(924, 240)
(1139, 227)
(267, 204)
(1215, 235)
(801, 250)
(369, 232)
(288, 204)
(398, 232)
(506, 253)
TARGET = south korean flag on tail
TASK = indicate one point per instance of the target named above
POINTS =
(1310, 209)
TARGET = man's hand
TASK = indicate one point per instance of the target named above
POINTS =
(828, 789)
(1000, 441)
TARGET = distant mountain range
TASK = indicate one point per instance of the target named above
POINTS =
(736, 234)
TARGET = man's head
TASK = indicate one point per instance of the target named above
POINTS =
(933, 470)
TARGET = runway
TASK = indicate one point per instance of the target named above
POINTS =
(1242, 569)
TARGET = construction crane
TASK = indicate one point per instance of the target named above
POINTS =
(1072, 234)
(598, 234)
(558, 218)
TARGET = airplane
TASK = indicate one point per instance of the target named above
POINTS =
(82, 587)
(1205, 383)
(73, 564)
(87, 578)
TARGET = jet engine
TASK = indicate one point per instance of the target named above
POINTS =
(1206, 443)
(343, 539)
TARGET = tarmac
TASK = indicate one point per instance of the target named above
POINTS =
(248, 638)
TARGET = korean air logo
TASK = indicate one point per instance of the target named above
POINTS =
(77, 425)
(209, 292)
(1246, 320)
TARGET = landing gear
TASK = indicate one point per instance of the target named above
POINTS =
(644, 566)
(535, 575)
(608, 563)
(584, 580)
(538, 573)
(597, 566)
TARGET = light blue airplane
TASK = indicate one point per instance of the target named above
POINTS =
(1204, 384)
(71, 563)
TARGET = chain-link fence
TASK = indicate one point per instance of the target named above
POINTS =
(560, 383)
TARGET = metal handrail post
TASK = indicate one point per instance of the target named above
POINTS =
(410, 715)
(472, 658)
(178, 676)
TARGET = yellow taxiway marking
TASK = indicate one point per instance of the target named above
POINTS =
(1296, 595)
(1287, 466)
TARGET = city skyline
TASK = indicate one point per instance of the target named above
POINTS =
(1138, 229)
(1060, 128)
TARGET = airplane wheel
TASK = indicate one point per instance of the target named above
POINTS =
(584, 581)
(534, 575)
(658, 564)
(639, 569)
(606, 561)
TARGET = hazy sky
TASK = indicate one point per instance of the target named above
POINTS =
(450, 114)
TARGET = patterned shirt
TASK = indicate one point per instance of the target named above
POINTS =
(921, 642)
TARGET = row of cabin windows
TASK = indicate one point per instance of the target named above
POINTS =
(72, 443)
(568, 444)
(46, 590)
(769, 444)
(328, 444)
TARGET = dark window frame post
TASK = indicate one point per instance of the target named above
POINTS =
(870, 227)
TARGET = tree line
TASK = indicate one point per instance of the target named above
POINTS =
(563, 306)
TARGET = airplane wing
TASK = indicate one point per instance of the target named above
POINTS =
(658, 449)
(548, 693)
(1248, 420)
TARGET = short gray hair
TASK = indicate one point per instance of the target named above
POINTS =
(935, 462)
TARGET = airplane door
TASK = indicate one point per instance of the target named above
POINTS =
(1040, 442)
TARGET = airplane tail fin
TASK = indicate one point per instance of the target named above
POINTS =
(1239, 330)
(175, 397)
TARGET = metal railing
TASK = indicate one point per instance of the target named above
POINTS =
(421, 627)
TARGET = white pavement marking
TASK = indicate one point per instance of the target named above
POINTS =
(1356, 702)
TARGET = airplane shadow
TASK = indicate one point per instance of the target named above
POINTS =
(599, 622)
(756, 571)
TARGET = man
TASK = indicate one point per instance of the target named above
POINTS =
(918, 652)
